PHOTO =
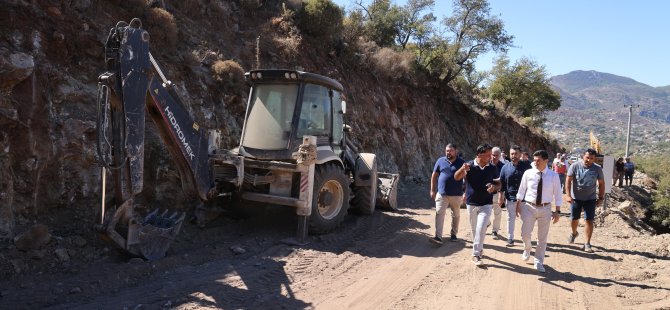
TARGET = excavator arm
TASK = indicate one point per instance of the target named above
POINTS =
(133, 85)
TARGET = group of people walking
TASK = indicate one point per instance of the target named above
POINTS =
(526, 187)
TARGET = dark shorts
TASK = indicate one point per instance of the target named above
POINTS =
(589, 207)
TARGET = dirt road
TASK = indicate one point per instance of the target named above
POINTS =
(382, 261)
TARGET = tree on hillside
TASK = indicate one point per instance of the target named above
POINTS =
(413, 23)
(470, 32)
(523, 88)
(390, 25)
(321, 18)
(381, 21)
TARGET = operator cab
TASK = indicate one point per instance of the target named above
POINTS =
(284, 106)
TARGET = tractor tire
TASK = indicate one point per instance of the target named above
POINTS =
(365, 197)
(330, 201)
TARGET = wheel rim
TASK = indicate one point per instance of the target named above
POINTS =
(329, 201)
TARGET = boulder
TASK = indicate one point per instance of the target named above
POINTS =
(33, 239)
(15, 68)
(62, 254)
(649, 183)
(626, 207)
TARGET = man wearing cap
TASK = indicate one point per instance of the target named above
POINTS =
(539, 186)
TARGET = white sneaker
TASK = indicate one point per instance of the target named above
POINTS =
(477, 261)
(525, 256)
(540, 267)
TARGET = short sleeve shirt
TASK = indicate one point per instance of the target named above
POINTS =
(446, 184)
(585, 180)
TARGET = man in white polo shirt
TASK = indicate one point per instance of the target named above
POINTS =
(539, 186)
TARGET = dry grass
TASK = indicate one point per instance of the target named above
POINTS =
(163, 29)
(391, 64)
(228, 73)
(287, 37)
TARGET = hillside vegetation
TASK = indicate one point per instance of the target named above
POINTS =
(658, 168)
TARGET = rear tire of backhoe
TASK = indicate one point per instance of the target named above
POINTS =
(330, 201)
(365, 196)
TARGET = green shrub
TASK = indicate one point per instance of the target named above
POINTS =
(320, 18)
(658, 168)
(353, 27)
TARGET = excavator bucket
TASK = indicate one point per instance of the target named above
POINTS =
(149, 237)
(387, 190)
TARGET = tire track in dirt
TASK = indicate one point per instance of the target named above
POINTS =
(365, 234)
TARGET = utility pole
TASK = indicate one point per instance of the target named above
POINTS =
(630, 115)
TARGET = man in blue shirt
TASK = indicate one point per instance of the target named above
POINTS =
(446, 192)
(479, 189)
(510, 178)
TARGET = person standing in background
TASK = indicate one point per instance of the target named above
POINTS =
(628, 171)
(510, 178)
(560, 166)
(618, 172)
(496, 155)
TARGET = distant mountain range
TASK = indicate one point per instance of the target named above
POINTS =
(597, 101)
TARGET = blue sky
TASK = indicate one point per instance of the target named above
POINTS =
(626, 38)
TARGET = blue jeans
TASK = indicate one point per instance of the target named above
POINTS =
(561, 177)
(589, 207)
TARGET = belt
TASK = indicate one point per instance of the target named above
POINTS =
(545, 204)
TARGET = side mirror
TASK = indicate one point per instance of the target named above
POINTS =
(346, 128)
(344, 107)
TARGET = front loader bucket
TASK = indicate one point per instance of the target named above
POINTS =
(387, 190)
(149, 237)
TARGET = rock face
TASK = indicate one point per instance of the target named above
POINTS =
(16, 68)
(52, 53)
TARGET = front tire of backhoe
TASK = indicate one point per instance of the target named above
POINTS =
(330, 201)
(365, 196)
